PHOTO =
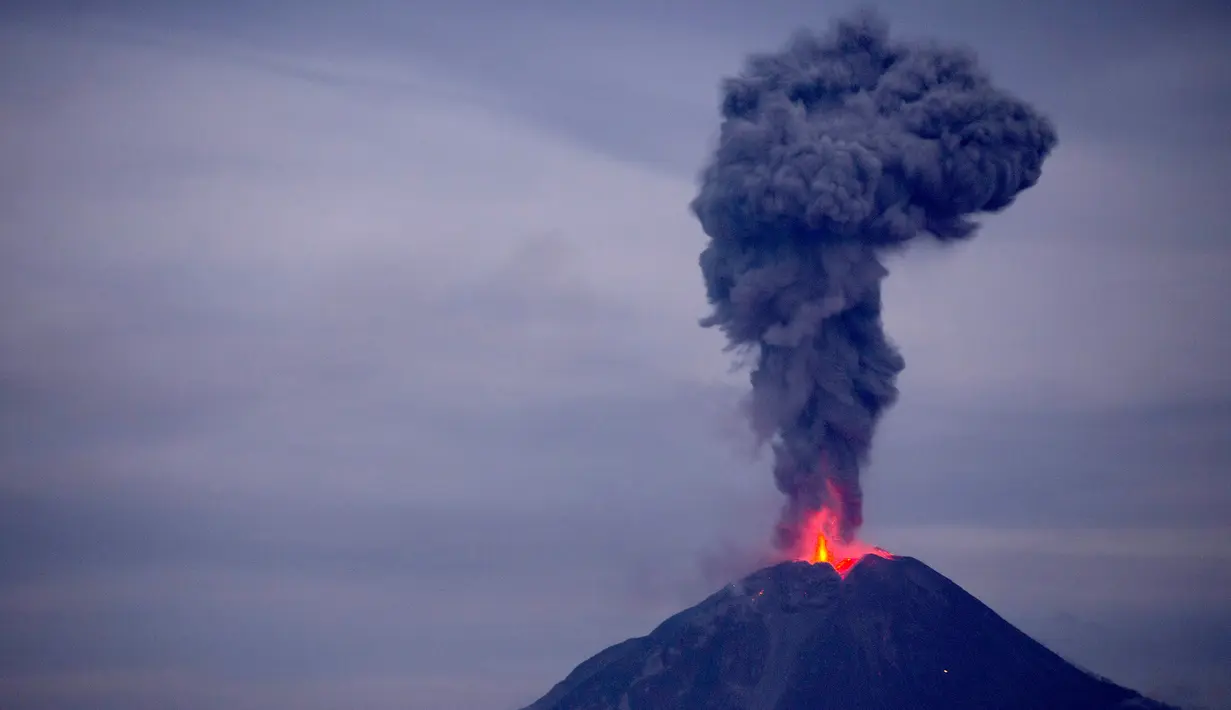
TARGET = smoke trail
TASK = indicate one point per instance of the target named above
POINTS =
(833, 152)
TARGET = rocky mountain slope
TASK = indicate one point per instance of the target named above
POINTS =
(893, 634)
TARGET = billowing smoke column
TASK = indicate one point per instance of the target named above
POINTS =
(834, 152)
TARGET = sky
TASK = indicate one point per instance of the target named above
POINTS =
(349, 354)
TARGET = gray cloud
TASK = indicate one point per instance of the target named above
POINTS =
(835, 151)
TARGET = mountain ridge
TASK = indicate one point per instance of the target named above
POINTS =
(892, 634)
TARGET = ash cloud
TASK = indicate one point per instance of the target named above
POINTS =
(833, 153)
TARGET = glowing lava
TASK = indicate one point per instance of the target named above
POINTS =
(821, 543)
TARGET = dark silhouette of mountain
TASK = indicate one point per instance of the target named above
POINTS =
(893, 635)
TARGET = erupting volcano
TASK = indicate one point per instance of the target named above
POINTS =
(833, 153)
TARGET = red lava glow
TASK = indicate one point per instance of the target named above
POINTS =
(821, 543)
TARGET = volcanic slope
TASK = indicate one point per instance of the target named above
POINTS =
(893, 634)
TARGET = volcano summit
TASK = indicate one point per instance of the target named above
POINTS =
(891, 634)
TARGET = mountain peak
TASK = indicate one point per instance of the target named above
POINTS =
(893, 634)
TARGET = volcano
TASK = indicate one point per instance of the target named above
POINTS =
(889, 633)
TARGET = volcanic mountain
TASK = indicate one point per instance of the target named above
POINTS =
(889, 633)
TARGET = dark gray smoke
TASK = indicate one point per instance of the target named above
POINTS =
(833, 152)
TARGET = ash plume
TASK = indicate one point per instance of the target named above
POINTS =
(834, 152)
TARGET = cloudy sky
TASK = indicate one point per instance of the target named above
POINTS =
(349, 357)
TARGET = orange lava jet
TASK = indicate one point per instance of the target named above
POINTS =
(821, 543)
